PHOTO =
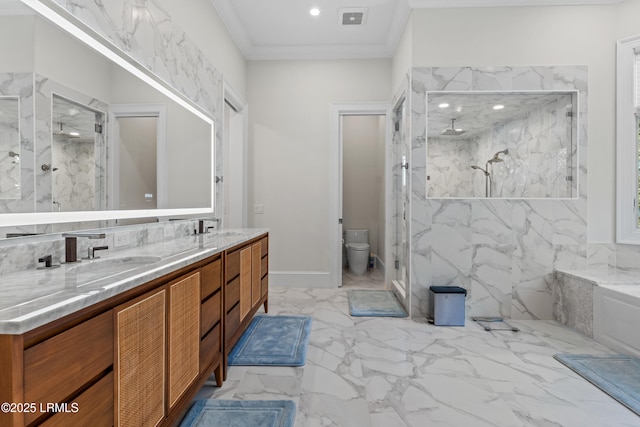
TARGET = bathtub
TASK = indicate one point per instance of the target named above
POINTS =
(616, 317)
(604, 305)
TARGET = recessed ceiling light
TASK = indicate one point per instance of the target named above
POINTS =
(443, 105)
(74, 134)
(314, 11)
(498, 107)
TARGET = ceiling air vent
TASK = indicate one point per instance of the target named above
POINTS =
(352, 16)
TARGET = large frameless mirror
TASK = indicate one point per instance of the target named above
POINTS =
(502, 144)
(91, 137)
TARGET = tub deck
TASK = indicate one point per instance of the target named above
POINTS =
(602, 304)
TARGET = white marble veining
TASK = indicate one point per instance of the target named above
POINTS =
(35, 297)
(385, 372)
(504, 252)
(537, 133)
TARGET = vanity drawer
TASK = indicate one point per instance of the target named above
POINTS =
(94, 407)
(232, 322)
(264, 246)
(211, 278)
(210, 347)
(264, 266)
(232, 265)
(61, 365)
(264, 284)
(209, 313)
(232, 294)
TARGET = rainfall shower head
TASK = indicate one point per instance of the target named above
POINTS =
(452, 131)
(480, 169)
(62, 132)
(496, 157)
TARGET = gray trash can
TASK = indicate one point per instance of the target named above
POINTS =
(447, 305)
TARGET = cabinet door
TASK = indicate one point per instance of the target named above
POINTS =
(184, 334)
(245, 282)
(140, 360)
(256, 272)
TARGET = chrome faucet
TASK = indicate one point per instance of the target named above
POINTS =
(71, 244)
(91, 254)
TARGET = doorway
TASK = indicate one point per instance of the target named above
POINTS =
(336, 230)
(363, 199)
(234, 160)
(137, 172)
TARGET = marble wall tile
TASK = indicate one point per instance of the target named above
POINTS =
(573, 303)
(503, 251)
(21, 85)
(601, 256)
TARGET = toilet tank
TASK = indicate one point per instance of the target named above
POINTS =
(356, 236)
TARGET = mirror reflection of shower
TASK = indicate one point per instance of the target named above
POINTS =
(488, 171)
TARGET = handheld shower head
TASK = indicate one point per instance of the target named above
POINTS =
(480, 169)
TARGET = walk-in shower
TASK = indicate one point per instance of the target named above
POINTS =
(488, 171)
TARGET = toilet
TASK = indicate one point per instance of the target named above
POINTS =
(357, 245)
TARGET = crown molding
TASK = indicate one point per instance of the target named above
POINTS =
(230, 19)
(250, 51)
(441, 4)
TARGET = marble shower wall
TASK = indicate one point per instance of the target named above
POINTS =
(74, 177)
(504, 252)
(539, 160)
(21, 85)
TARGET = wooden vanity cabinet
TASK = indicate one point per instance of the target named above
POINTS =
(246, 288)
(138, 358)
(211, 319)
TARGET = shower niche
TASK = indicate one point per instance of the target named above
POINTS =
(502, 144)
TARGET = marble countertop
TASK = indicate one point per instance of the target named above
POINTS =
(36, 297)
(605, 277)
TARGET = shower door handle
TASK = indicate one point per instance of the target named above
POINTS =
(404, 165)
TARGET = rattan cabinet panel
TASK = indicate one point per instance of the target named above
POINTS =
(140, 361)
(184, 334)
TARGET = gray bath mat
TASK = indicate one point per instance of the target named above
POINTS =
(374, 304)
(617, 375)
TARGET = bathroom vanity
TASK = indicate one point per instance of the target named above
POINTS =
(127, 339)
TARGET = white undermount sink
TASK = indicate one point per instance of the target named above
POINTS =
(105, 267)
(226, 233)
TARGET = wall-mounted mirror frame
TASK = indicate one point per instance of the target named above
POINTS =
(64, 20)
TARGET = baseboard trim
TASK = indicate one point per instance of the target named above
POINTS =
(300, 279)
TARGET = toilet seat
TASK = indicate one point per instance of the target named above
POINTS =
(358, 246)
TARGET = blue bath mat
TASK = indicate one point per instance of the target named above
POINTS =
(273, 341)
(375, 304)
(617, 375)
(240, 413)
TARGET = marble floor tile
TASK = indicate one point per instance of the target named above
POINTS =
(371, 279)
(395, 372)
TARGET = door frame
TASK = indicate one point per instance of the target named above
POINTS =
(335, 175)
(136, 110)
(238, 103)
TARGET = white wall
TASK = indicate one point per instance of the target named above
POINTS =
(363, 177)
(289, 150)
(402, 59)
(573, 35)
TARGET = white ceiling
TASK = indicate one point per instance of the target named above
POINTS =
(284, 29)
